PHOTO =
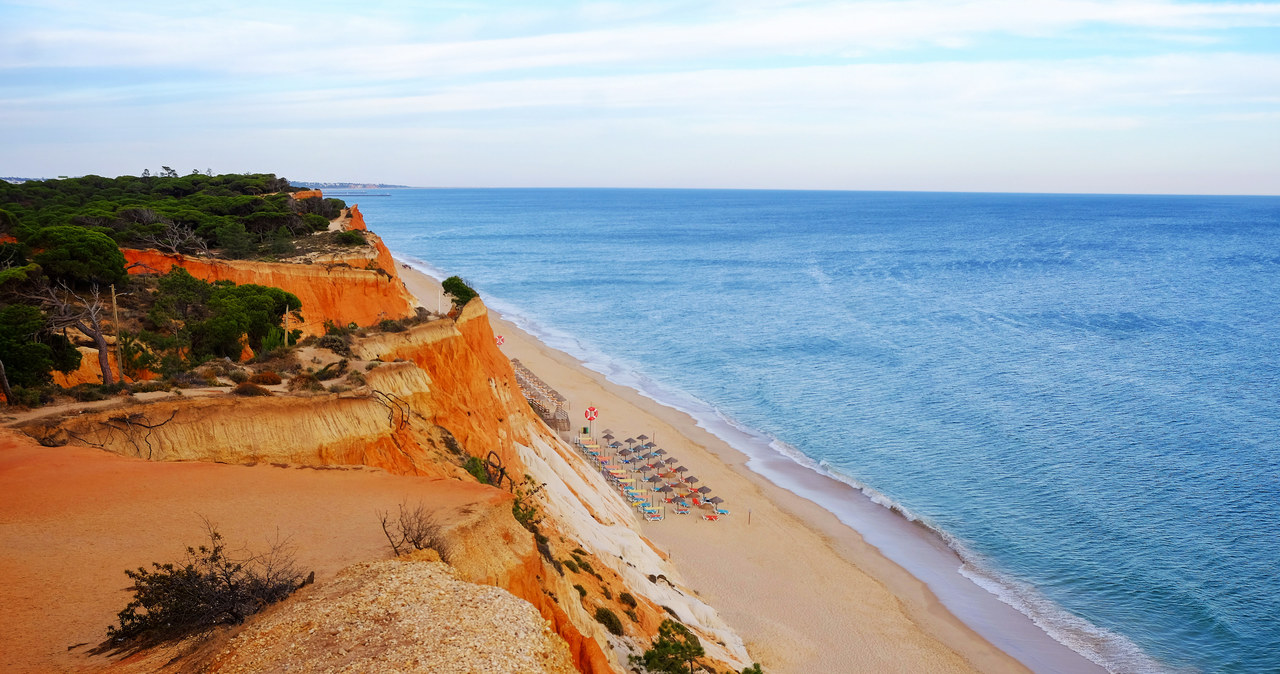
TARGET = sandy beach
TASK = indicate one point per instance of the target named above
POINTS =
(804, 591)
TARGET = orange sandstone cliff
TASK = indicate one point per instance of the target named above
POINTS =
(433, 394)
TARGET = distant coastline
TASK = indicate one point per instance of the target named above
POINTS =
(349, 186)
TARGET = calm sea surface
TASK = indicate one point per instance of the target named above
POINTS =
(1080, 393)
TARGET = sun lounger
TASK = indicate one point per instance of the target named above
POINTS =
(682, 511)
(721, 511)
(711, 518)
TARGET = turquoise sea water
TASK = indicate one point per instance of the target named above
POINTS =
(1080, 393)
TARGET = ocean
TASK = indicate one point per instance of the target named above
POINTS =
(1080, 394)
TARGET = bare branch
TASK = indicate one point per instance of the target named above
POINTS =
(178, 239)
(67, 308)
(417, 529)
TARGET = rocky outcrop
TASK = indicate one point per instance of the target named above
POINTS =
(400, 616)
(473, 390)
(356, 220)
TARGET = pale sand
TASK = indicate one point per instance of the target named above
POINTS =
(804, 591)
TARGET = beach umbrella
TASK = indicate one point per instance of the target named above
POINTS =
(653, 478)
(644, 469)
(642, 438)
(607, 436)
(607, 431)
(716, 500)
(703, 490)
(625, 452)
(659, 451)
(681, 469)
(671, 460)
(630, 441)
(691, 479)
(615, 445)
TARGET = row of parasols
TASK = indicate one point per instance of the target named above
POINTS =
(652, 481)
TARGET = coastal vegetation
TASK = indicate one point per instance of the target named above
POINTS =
(64, 279)
(674, 650)
(605, 616)
(238, 215)
(210, 587)
(458, 290)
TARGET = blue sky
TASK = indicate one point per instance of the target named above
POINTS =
(1142, 96)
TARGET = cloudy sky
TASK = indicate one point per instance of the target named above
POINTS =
(1145, 96)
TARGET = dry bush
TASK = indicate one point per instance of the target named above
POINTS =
(209, 588)
(250, 389)
(414, 529)
(305, 381)
(266, 378)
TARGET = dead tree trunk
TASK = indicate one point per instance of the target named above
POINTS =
(4, 384)
(67, 309)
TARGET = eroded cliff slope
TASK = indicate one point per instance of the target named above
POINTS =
(432, 396)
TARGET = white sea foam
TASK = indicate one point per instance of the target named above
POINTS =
(1108, 649)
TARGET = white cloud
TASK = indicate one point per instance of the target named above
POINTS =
(748, 93)
(380, 46)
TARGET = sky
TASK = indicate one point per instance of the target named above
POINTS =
(1125, 96)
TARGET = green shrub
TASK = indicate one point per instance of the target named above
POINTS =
(582, 564)
(25, 396)
(350, 237)
(475, 466)
(28, 348)
(753, 669)
(674, 650)
(315, 222)
(605, 591)
(339, 344)
(332, 371)
(148, 386)
(78, 255)
(89, 392)
(582, 591)
(525, 508)
(210, 588)
(250, 389)
(610, 621)
(459, 290)
(388, 325)
(305, 381)
(238, 376)
(570, 565)
(627, 599)
(632, 615)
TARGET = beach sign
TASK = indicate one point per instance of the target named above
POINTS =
(591, 414)
(500, 340)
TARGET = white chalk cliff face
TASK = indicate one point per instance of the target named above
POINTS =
(580, 500)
